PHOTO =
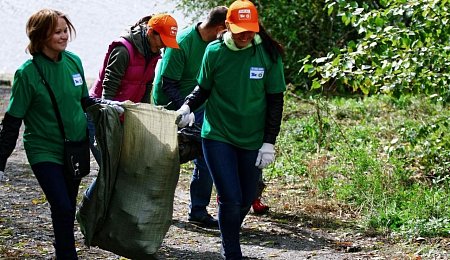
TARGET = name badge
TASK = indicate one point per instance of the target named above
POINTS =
(77, 79)
(256, 73)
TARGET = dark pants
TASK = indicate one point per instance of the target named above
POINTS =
(61, 194)
(235, 177)
(95, 151)
(201, 182)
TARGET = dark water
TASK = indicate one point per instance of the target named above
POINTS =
(97, 23)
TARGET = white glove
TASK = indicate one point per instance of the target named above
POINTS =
(266, 155)
(2, 176)
(185, 117)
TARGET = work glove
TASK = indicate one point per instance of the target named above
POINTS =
(266, 156)
(185, 117)
(117, 105)
(2, 176)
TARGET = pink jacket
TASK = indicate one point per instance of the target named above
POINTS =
(135, 79)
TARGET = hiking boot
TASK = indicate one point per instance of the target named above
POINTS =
(206, 221)
(258, 207)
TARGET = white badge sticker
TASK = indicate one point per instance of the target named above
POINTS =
(256, 73)
(77, 79)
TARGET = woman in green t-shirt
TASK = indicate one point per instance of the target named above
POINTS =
(242, 81)
(49, 32)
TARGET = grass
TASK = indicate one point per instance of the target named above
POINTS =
(383, 161)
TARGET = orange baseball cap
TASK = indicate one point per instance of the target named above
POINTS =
(167, 27)
(242, 16)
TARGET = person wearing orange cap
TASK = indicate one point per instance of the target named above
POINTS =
(174, 80)
(241, 79)
(129, 65)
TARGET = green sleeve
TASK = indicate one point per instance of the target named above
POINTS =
(114, 71)
(21, 95)
(275, 82)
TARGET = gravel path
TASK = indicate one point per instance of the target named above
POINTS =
(26, 233)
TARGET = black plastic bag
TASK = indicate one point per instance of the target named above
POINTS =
(189, 143)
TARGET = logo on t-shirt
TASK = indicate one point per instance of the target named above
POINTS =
(77, 79)
(256, 73)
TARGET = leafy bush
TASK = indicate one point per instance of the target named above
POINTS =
(404, 49)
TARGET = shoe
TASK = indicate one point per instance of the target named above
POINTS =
(206, 221)
(258, 207)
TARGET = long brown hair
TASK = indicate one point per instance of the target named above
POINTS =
(272, 46)
(40, 27)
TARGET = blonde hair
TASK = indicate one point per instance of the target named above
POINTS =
(40, 27)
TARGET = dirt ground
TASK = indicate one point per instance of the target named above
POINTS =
(288, 231)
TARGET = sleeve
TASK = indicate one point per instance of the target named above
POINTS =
(274, 114)
(9, 132)
(114, 71)
(172, 67)
(171, 89)
(197, 97)
(90, 101)
(275, 87)
(21, 95)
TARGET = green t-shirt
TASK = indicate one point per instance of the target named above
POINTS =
(31, 101)
(180, 64)
(235, 111)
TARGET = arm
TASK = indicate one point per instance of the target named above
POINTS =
(171, 88)
(89, 101)
(193, 101)
(197, 97)
(274, 113)
(114, 71)
(8, 137)
(172, 67)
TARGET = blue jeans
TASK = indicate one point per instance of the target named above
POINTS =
(201, 182)
(235, 176)
(61, 194)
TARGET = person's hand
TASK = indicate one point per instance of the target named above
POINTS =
(185, 117)
(266, 156)
(117, 105)
(2, 176)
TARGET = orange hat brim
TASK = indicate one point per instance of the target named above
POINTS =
(169, 41)
(244, 27)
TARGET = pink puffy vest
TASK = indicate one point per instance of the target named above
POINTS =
(136, 76)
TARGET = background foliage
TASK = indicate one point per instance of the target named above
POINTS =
(404, 48)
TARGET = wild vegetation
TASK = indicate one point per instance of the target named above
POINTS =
(383, 159)
(366, 123)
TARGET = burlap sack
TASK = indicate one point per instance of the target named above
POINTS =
(139, 212)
